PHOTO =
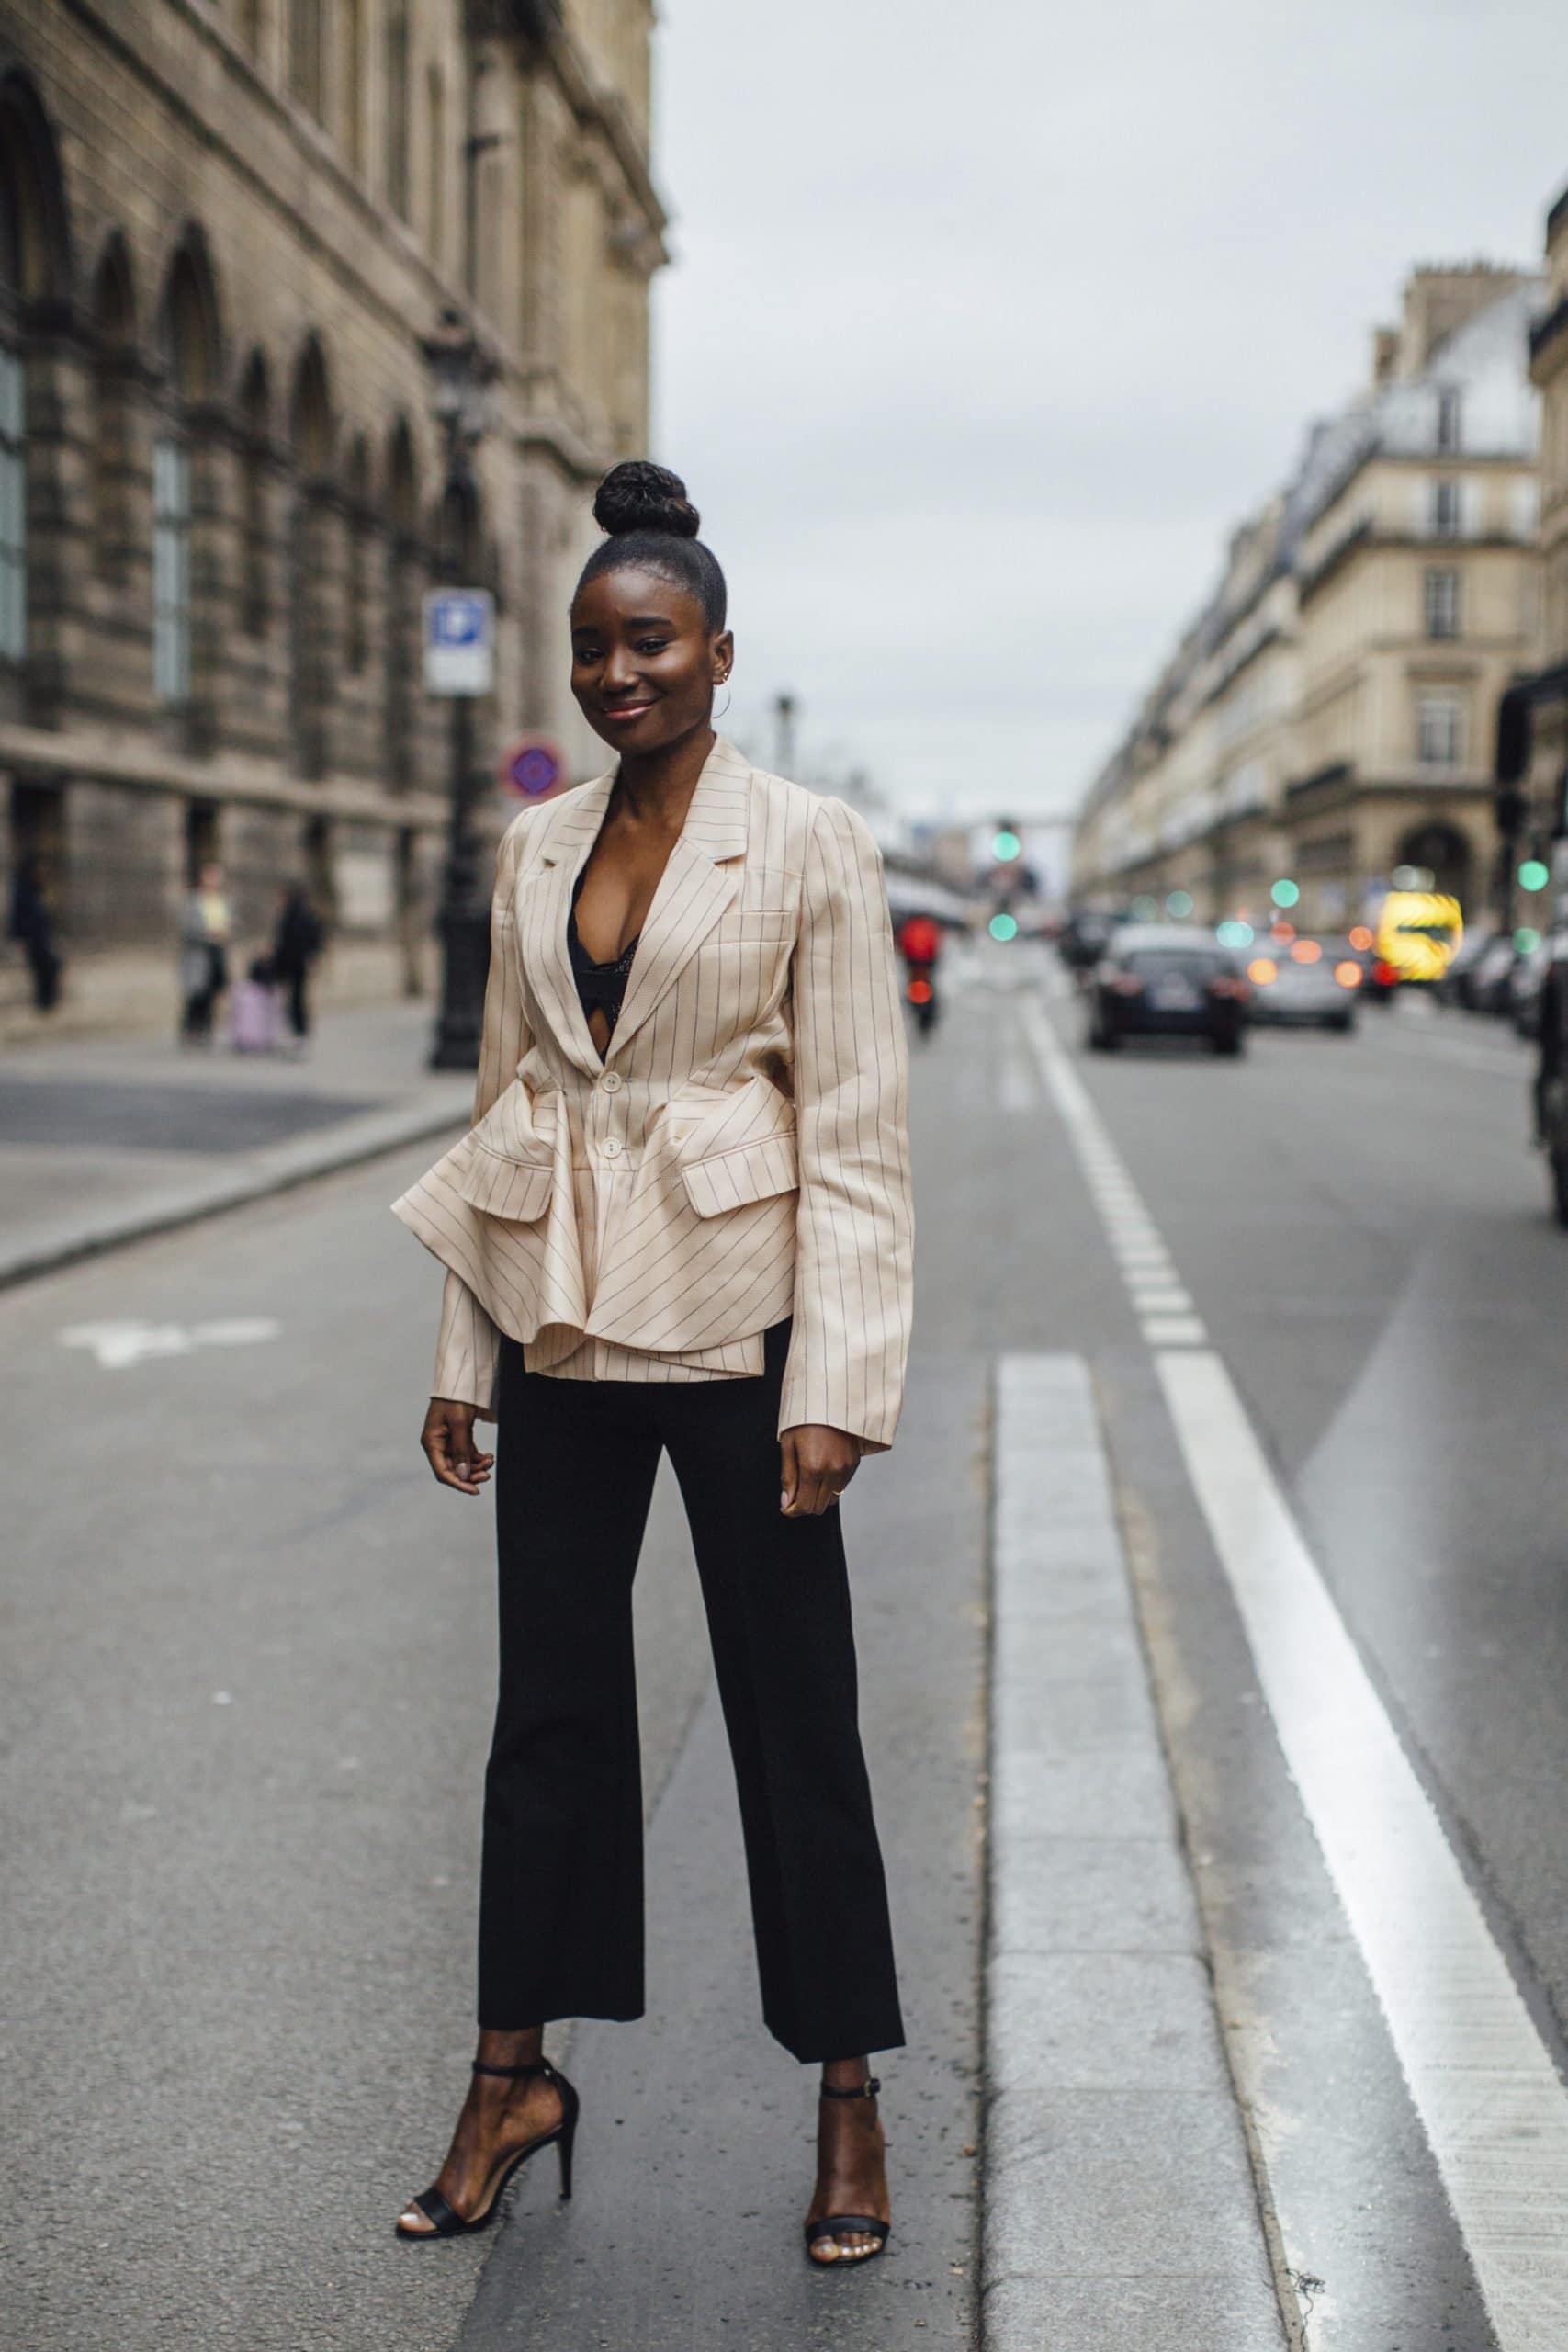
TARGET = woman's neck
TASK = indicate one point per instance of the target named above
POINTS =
(656, 787)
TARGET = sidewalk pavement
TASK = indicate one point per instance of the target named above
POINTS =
(1119, 2206)
(104, 1140)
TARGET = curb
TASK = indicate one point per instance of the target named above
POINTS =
(283, 1169)
(1119, 2207)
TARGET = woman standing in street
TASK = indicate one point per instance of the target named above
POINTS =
(204, 954)
(681, 1220)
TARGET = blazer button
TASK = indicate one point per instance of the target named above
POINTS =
(610, 1146)
(611, 1081)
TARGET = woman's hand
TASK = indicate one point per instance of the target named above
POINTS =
(447, 1438)
(817, 1463)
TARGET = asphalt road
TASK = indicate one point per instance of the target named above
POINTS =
(1363, 1231)
(245, 1684)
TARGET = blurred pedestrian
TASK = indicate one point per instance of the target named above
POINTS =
(682, 1223)
(205, 928)
(32, 925)
(297, 943)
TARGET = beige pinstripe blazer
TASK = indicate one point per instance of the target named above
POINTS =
(740, 1156)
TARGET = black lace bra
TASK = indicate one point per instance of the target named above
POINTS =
(600, 987)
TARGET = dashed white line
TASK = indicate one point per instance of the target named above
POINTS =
(1483, 2083)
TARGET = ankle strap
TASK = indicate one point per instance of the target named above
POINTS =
(513, 2073)
(868, 2089)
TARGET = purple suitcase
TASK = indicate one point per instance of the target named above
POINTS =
(254, 1024)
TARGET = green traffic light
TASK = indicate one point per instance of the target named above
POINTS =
(1006, 846)
(1004, 927)
(1526, 941)
(1286, 893)
(1533, 875)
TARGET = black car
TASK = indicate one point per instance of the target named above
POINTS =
(1084, 939)
(1161, 982)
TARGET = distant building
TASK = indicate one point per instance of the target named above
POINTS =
(1330, 716)
(1532, 748)
(223, 230)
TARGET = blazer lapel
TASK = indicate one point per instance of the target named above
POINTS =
(694, 889)
(542, 923)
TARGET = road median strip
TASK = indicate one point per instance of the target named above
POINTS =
(1118, 2195)
(210, 1192)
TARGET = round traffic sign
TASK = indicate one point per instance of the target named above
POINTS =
(533, 767)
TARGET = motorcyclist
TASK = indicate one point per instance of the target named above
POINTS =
(919, 943)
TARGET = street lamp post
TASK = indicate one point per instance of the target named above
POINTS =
(461, 373)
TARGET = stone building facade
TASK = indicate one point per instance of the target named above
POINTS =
(1330, 716)
(225, 226)
(1532, 746)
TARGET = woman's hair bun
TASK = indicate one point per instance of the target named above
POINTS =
(637, 496)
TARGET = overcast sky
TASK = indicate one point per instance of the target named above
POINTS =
(986, 323)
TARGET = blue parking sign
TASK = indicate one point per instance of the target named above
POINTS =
(459, 641)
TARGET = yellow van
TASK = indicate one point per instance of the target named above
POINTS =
(1417, 932)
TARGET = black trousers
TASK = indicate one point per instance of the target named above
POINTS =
(561, 1899)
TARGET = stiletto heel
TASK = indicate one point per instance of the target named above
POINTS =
(445, 2220)
(834, 2225)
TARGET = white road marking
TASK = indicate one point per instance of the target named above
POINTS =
(119, 1346)
(1483, 2081)
(1174, 1332)
(1153, 1283)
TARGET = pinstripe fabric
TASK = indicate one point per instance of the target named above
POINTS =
(740, 1156)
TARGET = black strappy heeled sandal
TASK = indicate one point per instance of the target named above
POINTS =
(444, 2219)
(833, 2225)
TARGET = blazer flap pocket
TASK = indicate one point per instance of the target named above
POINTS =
(748, 1171)
(509, 1128)
(509, 1188)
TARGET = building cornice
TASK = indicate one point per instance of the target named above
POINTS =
(1367, 538)
(82, 752)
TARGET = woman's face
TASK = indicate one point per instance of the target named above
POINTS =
(644, 660)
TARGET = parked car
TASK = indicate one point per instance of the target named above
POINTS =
(1084, 939)
(1525, 987)
(1156, 980)
(1458, 983)
(1490, 976)
(1525, 984)
(1306, 983)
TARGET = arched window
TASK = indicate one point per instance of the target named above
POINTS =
(395, 75)
(308, 55)
(310, 612)
(13, 508)
(171, 570)
(114, 376)
(35, 265)
(356, 569)
(255, 470)
(400, 631)
(351, 83)
(193, 355)
(435, 164)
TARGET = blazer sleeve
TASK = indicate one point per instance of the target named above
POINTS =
(855, 1234)
(468, 1347)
